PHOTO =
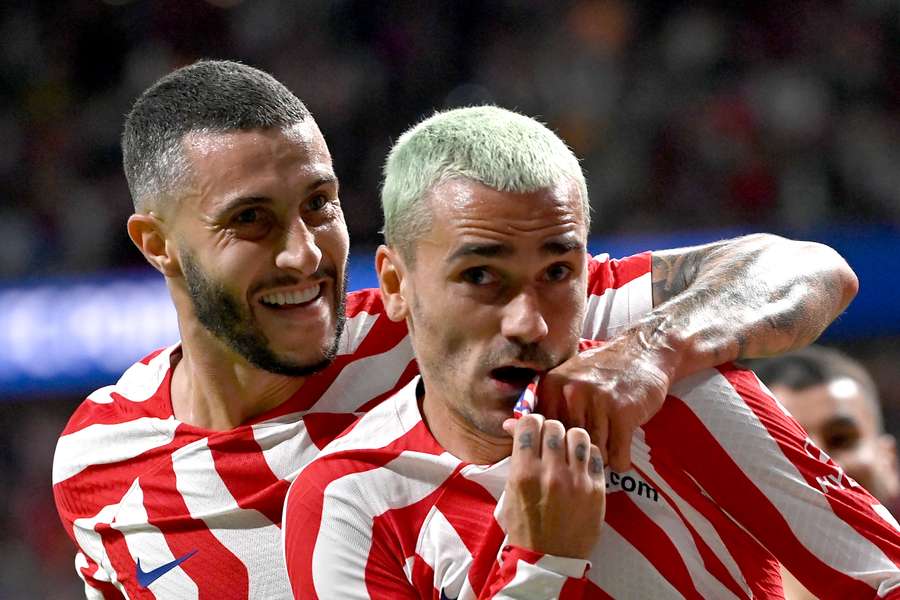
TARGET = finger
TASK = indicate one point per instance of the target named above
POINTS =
(600, 433)
(620, 446)
(549, 393)
(509, 426)
(595, 464)
(578, 448)
(577, 404)
(553, 442)
(527, 440)
(597, 472)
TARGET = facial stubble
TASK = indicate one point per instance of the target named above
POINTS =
(223, 315)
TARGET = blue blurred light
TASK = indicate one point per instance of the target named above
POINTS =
(71, 335)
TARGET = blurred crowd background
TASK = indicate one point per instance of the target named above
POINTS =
(769, 116)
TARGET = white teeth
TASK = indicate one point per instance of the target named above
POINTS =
(296, 297)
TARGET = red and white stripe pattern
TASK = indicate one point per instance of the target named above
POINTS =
(133, 483)
(723, 483)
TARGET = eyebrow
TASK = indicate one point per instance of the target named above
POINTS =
(240, 201)
(556, 247)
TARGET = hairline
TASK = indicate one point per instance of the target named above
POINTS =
(169, 191)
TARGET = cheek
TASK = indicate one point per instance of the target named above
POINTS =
(447, 325)
(565, 312)
(334, 242)
(231, 265)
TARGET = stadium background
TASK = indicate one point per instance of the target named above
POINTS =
(695, 122)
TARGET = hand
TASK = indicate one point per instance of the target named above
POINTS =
(555, 497)
(610, 391)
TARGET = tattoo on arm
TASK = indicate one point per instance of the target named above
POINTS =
(672, 272)
(747, 301)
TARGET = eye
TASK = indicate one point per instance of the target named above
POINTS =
(557, 272)
(479, 276)
(318, 202)
(247, 216)
(251, 223)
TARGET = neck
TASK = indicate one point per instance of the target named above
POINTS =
(212, 388)
(458, 436)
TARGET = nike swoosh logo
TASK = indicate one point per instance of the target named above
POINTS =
(444, 595)
(145, 578)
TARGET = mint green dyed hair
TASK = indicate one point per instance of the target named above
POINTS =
(499, 148)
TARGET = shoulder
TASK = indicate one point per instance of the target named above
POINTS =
(371, 441)
(728, 408)
(729, 382)
(138, 392)
(612, 273)
(366, 300)
(95, 454)
(367, 328)
(378, 446)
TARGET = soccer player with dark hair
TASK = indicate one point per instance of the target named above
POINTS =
(428, 496)
(836, 401)
(172, 481)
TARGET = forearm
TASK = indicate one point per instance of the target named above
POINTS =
(755, 296)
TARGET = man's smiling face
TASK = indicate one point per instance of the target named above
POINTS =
(263, 245)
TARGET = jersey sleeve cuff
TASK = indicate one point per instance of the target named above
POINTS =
(575, 568)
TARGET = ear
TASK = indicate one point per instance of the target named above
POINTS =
(391, 275)
(146, 232)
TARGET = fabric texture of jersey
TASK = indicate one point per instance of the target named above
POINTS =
(723, 482)
(161, 509)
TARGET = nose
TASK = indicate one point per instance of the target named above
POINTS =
(300, 252)
(522, 319)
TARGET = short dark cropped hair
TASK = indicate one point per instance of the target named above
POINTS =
(818, 365)
(206, 97)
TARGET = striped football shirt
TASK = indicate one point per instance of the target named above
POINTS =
(724, 484)
(159, 508)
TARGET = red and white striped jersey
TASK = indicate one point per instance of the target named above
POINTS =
(161, 509)
(724, 482)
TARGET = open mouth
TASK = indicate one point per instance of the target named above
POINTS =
(518, 377)
(293, 299)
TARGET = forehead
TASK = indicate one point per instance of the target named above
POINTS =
(815, 406)
(232, 161)
(464, 210)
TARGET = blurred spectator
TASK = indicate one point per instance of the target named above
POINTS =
(768, 114)
(773, 115)
(836, 401)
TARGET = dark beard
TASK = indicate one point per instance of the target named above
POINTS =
(223, 316)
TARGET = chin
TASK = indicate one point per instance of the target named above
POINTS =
(303, 345)
(491, 423)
